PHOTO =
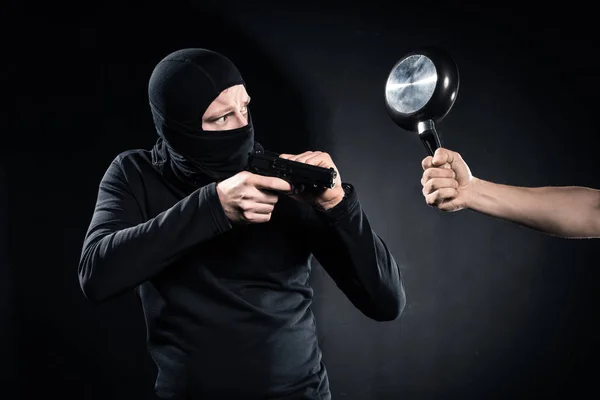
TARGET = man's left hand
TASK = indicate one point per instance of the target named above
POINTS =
(329, 198)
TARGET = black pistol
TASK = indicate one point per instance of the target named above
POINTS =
(304, 178)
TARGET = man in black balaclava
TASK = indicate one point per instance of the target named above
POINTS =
(220, 257)
(181, 89)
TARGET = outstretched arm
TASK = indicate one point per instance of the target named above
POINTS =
(567, 211)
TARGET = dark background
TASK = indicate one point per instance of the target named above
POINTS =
(494, 310)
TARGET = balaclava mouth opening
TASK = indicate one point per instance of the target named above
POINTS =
(181, 87)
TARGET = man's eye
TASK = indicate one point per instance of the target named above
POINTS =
(222, 120)
(244, 110)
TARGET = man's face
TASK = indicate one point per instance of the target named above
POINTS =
(228, 111)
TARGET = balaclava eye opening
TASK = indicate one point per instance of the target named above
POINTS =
(181, 87)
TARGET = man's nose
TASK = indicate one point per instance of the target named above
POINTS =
(240, 119)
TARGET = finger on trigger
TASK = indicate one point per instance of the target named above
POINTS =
(275, 184)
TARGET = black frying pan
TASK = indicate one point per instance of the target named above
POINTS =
(420, 91)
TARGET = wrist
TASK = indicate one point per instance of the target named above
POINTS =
(219, 192)
(336, 199)
(472, 191)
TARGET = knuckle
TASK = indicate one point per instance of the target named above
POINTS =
(427, 188)
(247, 177)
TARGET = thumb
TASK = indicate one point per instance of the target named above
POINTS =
(442, 156)
(453, 160)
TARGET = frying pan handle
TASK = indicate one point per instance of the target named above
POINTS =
(429, 137)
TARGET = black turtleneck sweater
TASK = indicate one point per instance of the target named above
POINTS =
(227, 307)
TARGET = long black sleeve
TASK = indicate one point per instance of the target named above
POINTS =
(121, 249)
(357, 259)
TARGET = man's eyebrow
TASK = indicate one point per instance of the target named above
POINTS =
(219, 113)
(224, 111)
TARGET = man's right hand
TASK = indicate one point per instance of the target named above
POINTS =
(250, 198)
(446, 179)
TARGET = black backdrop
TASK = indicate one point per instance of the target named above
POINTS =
(494, 310)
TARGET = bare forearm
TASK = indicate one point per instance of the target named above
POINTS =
(568, 211)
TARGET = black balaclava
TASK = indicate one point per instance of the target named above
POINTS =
(181, 87)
